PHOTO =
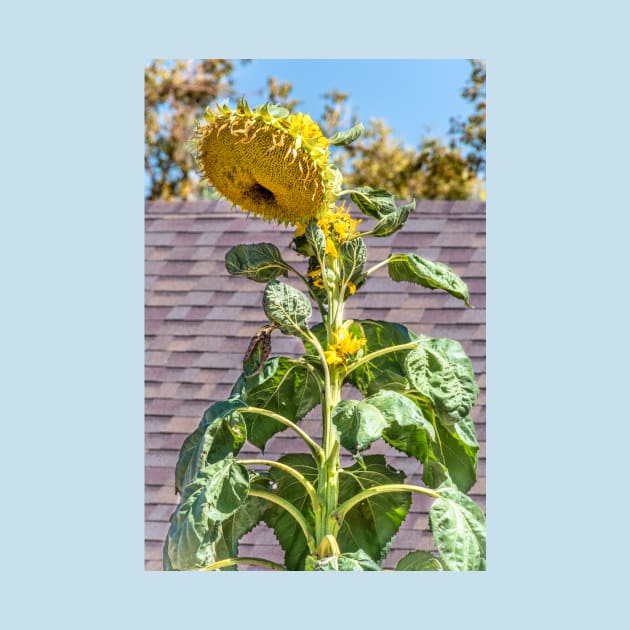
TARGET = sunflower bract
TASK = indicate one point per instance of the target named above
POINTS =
(267, 162)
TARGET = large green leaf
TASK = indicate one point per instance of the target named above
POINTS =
(217, 492)
(459, 529)
(374, 202)
(261, 262)
(288, 387)
(387, 371)
(419, 561)
(407, 429)
(288, 308)
(372, 524)
(432, 275)
(440, 370)
(286, 529)
(393, 221)
(222, 431)
(241, 522)
(459, 459)
(343, 138)
(358, 561)
(358, 424)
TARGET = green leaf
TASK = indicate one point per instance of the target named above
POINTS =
(432, 275)
(353, 256)
(284, 386)
(343, 138)
(387, 371)
(316, 240)
(440, 370)
(459, 459)
(217, 492)
(372, 524)
(358, 424)
(374, 202)
(288, 308)
(286, 529)
(393, 221)
(240, 523)
(407, 429)
(458, 526)
(419, 561)
(358, 561)
(221, 432)
(261, 262)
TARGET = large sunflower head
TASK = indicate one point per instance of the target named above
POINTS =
(267, 161)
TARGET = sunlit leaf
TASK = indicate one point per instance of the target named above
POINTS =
(358, 424)
(458, 526)
(375, 202)
(419, 561)
(288, 308)
(288, 387)
(393, 221)
(221, 432)
(372, 524)
(343, 138)
(286, 529)
(261, 262)
(432, 275)
(440, 370)
(218, 490)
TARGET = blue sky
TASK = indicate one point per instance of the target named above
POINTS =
(415, 97)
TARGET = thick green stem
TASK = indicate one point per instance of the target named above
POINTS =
(344, 508)
(292, 510)
(328, 479)
(228, 562)
(315, 448)
(289, 470)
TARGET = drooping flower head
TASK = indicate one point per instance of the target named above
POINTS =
(267, 161)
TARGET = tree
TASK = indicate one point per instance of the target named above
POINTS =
(176, 93)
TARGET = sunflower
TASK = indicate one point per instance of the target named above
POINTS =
(268, 162)
(345, 345)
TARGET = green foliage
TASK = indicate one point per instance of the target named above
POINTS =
(407, 429)
(221, 432)
(440, 370)
(393, 221)
(358, 561)
(261, 262)
(432, 275)
(358, 424)
(373, 523)
(218, 490)
(287, 531)
(343, 138)
(419, 561)
(284, 386)
(286, 307)
(458, 526)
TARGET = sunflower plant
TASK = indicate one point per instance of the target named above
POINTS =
(417, 391)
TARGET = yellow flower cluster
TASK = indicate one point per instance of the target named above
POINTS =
(337, 225)
(276, 166)
(346, 344)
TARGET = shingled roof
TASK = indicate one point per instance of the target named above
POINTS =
(199, 320)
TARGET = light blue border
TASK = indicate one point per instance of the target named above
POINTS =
(73, 263)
